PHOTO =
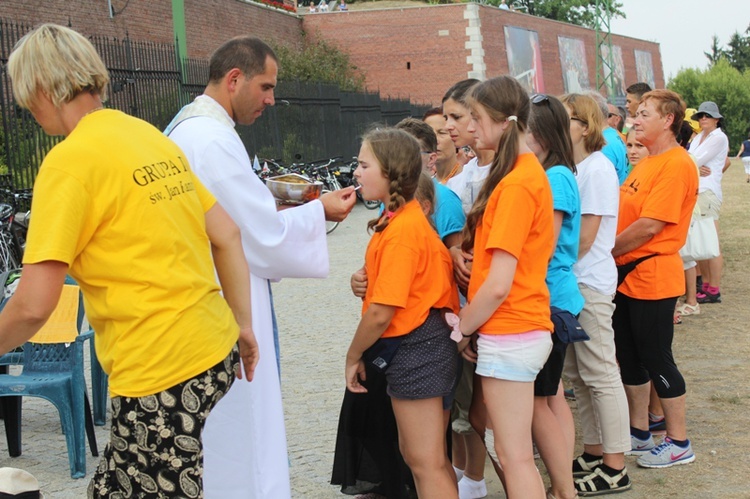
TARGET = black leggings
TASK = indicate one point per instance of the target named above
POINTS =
(643, 339)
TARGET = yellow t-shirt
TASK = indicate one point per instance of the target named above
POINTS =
(518, 219)
(117, 202)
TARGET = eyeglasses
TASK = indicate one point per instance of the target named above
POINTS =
(583, 122)
(426, 152)
(539, 98)
(612, 115)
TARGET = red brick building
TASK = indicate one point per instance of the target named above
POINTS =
(411, 51)
(421, 51)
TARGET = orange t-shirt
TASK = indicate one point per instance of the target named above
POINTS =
(518, 219)
(665, 188)
(409, 268)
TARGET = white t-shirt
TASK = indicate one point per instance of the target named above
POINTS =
(713, 154)
(468, 183)
(599, 189)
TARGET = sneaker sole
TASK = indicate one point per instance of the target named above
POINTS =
(624, 488)
(686, 460)
(643, 452)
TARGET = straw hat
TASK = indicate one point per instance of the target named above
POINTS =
(19, 483)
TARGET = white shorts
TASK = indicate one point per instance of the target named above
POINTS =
(746, 163)
(513, 357)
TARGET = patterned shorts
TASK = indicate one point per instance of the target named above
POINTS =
(155, 448)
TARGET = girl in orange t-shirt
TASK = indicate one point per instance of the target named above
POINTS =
(510, 231)
(410, 281)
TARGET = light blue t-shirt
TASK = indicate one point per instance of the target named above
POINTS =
(615, 150)
(562, 283)
(449, 216)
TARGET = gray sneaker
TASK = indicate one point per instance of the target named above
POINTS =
(640, 447)
(667, 454)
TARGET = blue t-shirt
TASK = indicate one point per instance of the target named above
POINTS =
(746, 150)
(562, 283)
(615, 150)
(449, 216)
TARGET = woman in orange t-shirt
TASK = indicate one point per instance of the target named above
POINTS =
(656, 205)
(510, 231)
(410, 282)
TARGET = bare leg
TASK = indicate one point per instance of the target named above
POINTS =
(690, 288)
(421, 435)
(654, 403)
(510, 407)
(638, 405)
(554, 448)
(674, 412)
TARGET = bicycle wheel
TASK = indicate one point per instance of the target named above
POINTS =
(330, 226)
(371, 205)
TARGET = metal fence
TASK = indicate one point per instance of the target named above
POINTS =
(310, 120)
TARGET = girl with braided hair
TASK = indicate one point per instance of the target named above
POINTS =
(509, 230)
(402, 331)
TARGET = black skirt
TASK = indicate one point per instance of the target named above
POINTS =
(367, 458)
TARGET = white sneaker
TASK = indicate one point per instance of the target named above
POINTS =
(471, 489)
(640, 447)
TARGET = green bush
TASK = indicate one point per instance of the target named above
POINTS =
(725, 86)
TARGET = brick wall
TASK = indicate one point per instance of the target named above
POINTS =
(208, 22)
(433, 39)
(414, 51)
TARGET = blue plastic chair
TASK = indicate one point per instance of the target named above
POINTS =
(53, 371)
(99, 379)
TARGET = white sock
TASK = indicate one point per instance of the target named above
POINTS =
(459, 474)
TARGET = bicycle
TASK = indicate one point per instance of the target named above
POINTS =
(13, 228)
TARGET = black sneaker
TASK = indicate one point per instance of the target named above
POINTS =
(581, 467)
(600, 482)
(708, 297)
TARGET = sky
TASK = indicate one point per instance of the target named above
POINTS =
(683, 28)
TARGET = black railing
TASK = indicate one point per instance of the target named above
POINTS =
(311, 120)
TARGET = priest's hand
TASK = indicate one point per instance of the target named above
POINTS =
(249, 353)
(337, 204)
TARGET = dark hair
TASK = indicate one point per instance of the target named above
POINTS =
(246, 53)
(400, 162)
(502, 98)
(426, 193)
(638, 89)
(435, 111)
(668, 102)
(683, 137)
(460, 91)
(550, 124)
(623, 116)
(420, 131)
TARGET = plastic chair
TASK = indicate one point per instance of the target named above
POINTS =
(53, 370)
(99, 379)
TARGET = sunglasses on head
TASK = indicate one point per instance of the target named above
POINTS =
(539, 98)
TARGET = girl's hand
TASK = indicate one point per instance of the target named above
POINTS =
(468, 348)
(354, 372)
(461, 266)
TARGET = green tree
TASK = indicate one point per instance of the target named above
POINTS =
(716, 52)
(723, 84)
(580, 12)
(738, 51)
(319, 61)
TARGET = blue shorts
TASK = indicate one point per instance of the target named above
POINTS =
(513, 357)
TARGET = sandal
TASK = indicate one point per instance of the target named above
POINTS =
(687, 309)
(600, 482)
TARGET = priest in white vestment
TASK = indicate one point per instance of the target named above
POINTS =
(244, 438)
